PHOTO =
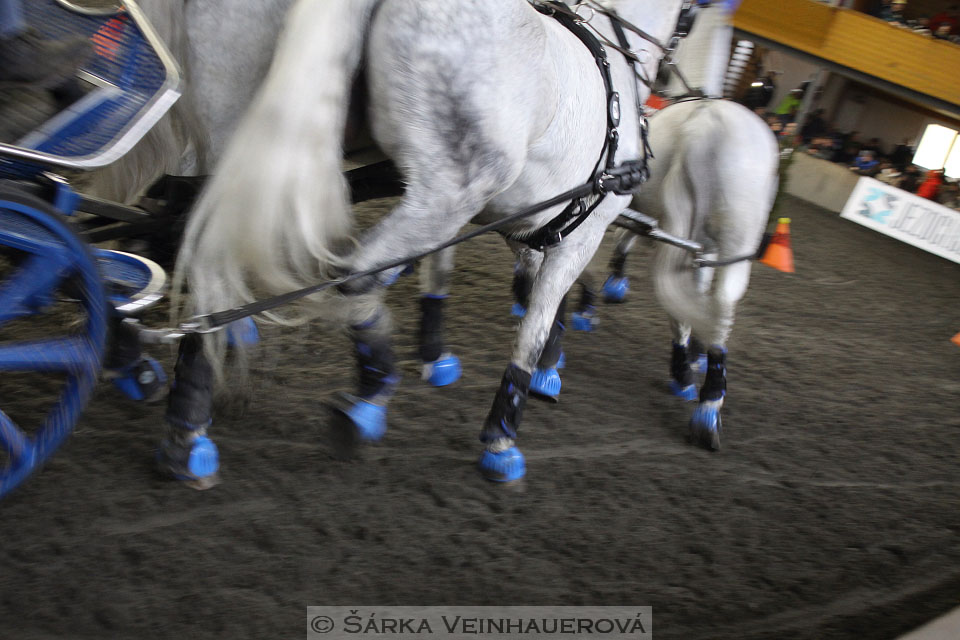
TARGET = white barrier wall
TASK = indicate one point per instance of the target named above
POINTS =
(906, 217)
(821, 182)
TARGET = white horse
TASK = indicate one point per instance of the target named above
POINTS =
(486, 108)
(713, 182)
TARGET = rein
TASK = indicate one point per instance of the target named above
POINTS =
(622, 179)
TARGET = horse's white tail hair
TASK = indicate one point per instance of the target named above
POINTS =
(271, 218)
(175, 145)
(699, 190)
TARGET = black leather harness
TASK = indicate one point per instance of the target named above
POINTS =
(622, 179)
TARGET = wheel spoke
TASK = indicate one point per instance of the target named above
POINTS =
(29, 286)
(16, 443)
(71, 355)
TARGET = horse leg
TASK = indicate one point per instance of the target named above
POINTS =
(682, 382)
(501, 460)
(617, 285)
(705, 425)
(136, 375)
(187, 453)
(369, 327)
(545, 382)
(440, 367)
(585, 317)
(524, 271)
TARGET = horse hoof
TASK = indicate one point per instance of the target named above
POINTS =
(193, 460)
(585, 321)
(144, 380)
(502, 466)
(443, 371)
(615, 289)
(370, 420)
(705, 426)
(687, 393)
(243, 333)
(545, 384)
(518, 310)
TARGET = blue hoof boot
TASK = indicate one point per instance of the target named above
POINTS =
(190, 457)
(443, 371)
(518, 310)
(144, 380)
(615, 289)
(585, 321)
(369, 419)
(562, 362)
(545, 384)
(705, 426)
(243, 333)
(687, 393)
(502, 466)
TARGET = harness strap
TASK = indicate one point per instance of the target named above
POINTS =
(574, 214)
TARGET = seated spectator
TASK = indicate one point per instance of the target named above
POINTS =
(901, 156)
(866, 163)
(942, 32)
(815, 127)
(911, 179)
(930, 188)
(888, 174)
(949, 194)
(949, 17)
(895, 13)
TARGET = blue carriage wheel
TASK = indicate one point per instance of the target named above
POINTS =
(53, 321)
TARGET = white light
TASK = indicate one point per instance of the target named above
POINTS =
(934, 147)
(951, 168)
(756, 84)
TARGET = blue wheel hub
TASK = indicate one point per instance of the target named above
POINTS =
(502, 466)
(144, 380)
(443, 371)
(615, 289)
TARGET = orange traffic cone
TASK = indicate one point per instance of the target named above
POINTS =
(779, 254)
(956, 339)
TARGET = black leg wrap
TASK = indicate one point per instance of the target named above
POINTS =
(431, 328)
(124, 348)
(680, 366)
(522, 286)
(694, 349)
(190, 404)
(618, 263)
(715, 385)
(170, 198)
(507, 410)
(588, 295)
(554, 346)
(374, 359)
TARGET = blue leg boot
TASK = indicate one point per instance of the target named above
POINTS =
(615, 289)
(705, 424)
(190, 457)
(443, 371)
(143, 380)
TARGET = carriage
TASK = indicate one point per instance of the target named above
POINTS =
(63, 297)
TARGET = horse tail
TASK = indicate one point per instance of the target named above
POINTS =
(676, 282)
(276, 214)
(718, 192)
(175, 144)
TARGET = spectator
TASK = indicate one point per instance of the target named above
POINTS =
(931, 186)
(911, 179)
(893, 12)
(950, 195)
(788, 107)
(901, 156)
(888, 174)
(761, 91)
(866, 163)
(949, 17)
(815, 126)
